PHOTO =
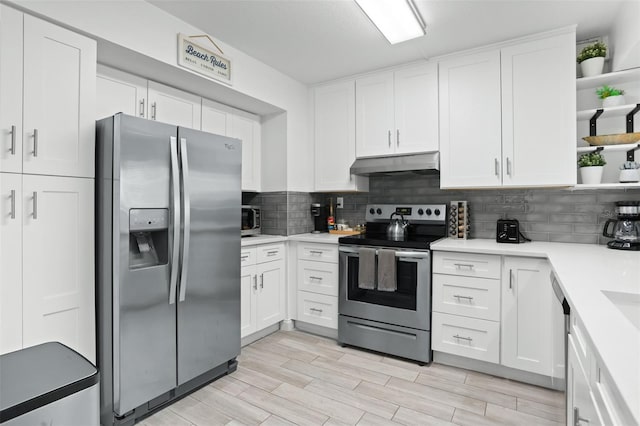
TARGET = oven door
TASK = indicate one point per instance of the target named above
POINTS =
(408, 306)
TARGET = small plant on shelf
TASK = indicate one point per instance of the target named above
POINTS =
(595, 50)
(605, 91)
(591, 159)
(629, 172)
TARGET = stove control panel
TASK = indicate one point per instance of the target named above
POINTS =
(411, 212)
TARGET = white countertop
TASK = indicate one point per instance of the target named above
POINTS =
(323, 237)
(583, 271)
(261, 239)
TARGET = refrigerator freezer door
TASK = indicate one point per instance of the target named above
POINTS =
(144, 323)
(209, 315)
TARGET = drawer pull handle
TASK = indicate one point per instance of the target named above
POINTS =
(12, 150)
(315, 278)
(12, 215)
(246, 256)
(468, 339)
(315, 252)
(35, 143)
(464, 265)
(510, 279)
(272, 253)
(255, 282)
(261, 280)
(576, 417)
(457, 296)
(315, 310)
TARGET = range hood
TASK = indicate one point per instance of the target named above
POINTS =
(425, 163)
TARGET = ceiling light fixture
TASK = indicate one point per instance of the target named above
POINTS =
(397, 20)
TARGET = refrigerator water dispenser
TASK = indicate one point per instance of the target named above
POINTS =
(148, 237)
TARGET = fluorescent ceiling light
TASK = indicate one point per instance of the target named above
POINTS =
(397, 20)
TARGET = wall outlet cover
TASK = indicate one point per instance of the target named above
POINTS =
(339, 202)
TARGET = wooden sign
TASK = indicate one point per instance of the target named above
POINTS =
(203, 60)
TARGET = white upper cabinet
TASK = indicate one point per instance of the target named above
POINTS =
(215, 117)
(11, 48)
(246, 127)
(374, 115)
(538, 112)
(173, 106)
(470, 134)
(335, 138)
(501, 110)
(397, 112)
(416, 109)
(118, 91)
(47, 97)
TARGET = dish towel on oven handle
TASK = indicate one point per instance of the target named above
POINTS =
(367, 269)
(387, 270)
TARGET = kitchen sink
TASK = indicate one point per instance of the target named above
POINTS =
(628, 304)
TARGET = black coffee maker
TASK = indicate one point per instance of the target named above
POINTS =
(626, 228)
(319, 215)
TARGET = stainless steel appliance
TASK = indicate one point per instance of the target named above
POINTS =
(48, 384)
(319, 214)
(168, 271)
(251, 220)
(626, 228)
(384, 299)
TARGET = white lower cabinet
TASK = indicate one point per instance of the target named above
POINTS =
(499, 309)
(317, 278)
(50, 262)
(581, 405)
(528, 306)
(262, 281)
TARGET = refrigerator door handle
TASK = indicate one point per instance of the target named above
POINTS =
(175, 187)
(187, 217)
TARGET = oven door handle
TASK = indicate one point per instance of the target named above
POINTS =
(405, 254)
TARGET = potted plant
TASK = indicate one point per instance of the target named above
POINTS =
(591, 59)
(629, 172)
(591, 165)
(610, 96)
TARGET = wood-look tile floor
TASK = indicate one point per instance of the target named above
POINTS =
(296, 378)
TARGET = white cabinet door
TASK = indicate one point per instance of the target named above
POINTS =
(335, 138)
(581, 406)
(117, 91)
(248, 292)
(215, 117)
(173, 106)
(58, 262)
(11, 53)
(10, 262)
(539, 112)
(470, 116)
(416, 109)
(247, 129)
(374, 115)
(59, 100)
(527, 315)
(271, 297)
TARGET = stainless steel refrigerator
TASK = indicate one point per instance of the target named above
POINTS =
(168, 203)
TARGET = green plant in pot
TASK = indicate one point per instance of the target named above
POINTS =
(591, 165)
(610, 96)
(591, 59)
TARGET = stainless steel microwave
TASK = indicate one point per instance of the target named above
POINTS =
(251, 220)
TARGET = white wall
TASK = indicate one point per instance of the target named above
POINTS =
(625, 37)
(141, 27)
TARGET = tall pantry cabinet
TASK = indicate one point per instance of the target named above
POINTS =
(47, 103)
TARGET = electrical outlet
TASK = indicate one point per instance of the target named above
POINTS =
(339, 202)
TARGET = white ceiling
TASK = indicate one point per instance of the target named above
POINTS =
(320, 40)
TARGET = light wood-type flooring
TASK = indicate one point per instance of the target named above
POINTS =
(297, 378)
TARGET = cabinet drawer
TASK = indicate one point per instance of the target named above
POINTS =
(318, 277)
(318, 309)
(318, 252)
(468, 296)
(468, 337)
(583, 351)
(270, 252)
(467, 264)
(247, 256)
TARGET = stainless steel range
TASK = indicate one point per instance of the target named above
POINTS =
(385, 281)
